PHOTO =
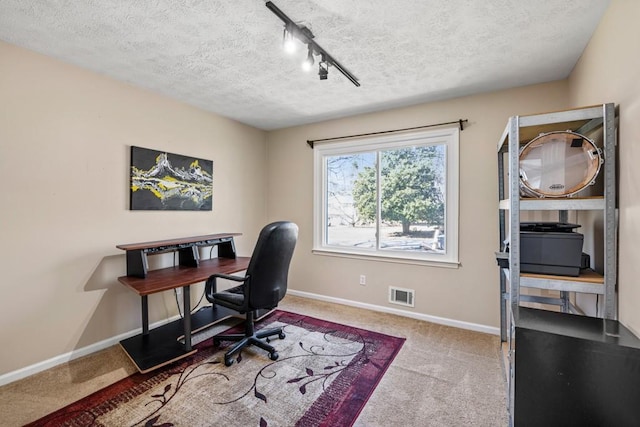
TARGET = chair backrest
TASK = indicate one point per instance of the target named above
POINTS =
(269, 265)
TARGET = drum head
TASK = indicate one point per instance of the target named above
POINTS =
(558, 164)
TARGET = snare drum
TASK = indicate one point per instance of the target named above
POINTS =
(558, 164)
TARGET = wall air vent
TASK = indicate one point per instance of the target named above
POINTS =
(401, 296)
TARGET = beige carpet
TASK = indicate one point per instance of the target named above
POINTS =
(442, 376)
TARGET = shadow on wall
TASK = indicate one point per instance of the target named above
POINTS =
(115, 311)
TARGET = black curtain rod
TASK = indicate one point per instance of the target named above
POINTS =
(459, 122)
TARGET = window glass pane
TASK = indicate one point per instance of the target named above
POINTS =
(346, 225)
(412, 182)
(394, 197)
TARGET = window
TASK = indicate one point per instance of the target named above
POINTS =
(392, 196)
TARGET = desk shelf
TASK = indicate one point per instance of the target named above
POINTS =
(187, 248)
(162, 345)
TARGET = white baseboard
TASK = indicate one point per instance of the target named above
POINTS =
(67, 357)
(433, 319)
(80, 352)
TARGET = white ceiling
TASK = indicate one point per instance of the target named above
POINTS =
(227, 57)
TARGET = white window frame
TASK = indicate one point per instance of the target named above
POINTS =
(449, 137)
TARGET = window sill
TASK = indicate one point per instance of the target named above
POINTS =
(386, 258)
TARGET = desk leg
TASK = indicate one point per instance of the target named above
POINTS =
(145, 315)
(187, 317)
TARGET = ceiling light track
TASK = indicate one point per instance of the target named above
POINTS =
(304, 34)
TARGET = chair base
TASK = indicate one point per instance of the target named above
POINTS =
(250, 337)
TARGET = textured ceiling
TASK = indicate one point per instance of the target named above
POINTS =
(227, 57)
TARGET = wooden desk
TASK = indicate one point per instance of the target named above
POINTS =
(160, 346)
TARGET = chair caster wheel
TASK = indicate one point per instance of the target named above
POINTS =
(228, 361)
(281, 335)
(273, 355)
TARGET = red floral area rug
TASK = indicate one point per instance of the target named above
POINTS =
(324, 376)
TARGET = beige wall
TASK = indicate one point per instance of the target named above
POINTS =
(609, 71)
(65, 136)
(469, 293)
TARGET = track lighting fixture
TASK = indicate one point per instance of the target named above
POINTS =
(294, 31)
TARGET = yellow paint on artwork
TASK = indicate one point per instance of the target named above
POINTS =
(158, 194)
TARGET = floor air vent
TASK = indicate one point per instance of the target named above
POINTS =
(401, 296)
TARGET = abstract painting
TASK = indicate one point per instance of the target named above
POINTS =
(166, 181)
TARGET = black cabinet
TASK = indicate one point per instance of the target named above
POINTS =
(574, 371)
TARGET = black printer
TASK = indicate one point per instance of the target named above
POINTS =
(551, 248)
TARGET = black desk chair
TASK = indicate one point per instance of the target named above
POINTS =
(263, 286)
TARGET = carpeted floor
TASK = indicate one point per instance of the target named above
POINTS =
(442, 376)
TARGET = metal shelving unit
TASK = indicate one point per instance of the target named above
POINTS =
(598, 120)
(521, 129)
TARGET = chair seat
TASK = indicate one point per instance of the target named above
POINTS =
(231, 298)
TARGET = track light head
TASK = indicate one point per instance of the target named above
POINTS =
(308, 63)
(323, 69)
(288, 41)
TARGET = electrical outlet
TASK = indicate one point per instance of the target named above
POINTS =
(363, 279)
